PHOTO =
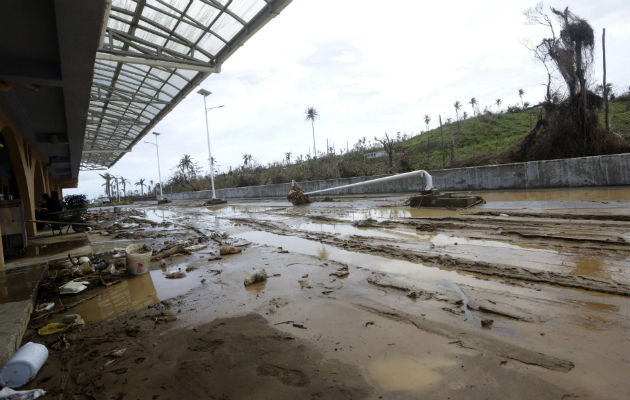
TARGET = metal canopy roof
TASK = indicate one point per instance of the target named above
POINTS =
(151, 55)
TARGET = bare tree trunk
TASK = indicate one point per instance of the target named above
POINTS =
(442, 134)
(314, 148)
(605, 88)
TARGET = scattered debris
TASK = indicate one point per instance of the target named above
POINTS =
(169, 251)
(44, 307)
(117, 353)
(296, 195)
(487, 323)
(178, 274)
(9, 394)
(259, 275)
(341, 272)
(23, 366)
(73, 287)
(226, 250)
(301, 326)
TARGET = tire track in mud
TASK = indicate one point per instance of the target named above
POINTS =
(471, 339)
(445, 261)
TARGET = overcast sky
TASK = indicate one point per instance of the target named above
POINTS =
(368, 67)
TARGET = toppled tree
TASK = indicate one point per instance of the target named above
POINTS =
(389, 147)
(568, 125)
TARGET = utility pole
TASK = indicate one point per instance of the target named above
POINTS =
(157, 153)
(442, 133)
(605, 88)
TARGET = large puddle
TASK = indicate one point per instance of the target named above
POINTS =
(426, 277)
(137, 292)
(408, 374)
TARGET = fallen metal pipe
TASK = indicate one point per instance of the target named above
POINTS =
(428, 181)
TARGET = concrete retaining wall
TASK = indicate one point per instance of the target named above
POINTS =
(612, 170)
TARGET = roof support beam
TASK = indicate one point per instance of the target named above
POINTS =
(156, 62)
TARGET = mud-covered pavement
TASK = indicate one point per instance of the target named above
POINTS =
(525, 297)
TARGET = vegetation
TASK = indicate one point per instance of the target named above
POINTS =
(485, 139)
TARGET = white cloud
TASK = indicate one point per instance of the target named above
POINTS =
(368, 67)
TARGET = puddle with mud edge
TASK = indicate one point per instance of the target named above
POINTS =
(35, 250)
(406, 373)
(386, 213)
(135, 293)
(427, 276)
(589, 266)
(577, 194)
(159, 216)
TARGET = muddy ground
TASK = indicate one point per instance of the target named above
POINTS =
(525, 297)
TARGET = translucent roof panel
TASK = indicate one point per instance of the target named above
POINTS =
(152, 54)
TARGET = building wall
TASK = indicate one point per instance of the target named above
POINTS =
(610, 170)
(30, 173)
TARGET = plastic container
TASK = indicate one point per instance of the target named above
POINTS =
(138, 258)
(24, 365)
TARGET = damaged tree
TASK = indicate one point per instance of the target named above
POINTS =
(568, 124)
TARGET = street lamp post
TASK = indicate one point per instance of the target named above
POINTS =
(157, 152)
(205, 93)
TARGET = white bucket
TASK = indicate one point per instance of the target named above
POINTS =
(138, 258)
(24, 365)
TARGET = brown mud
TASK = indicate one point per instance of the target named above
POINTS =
(364, 299)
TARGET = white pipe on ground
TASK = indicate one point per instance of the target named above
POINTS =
(428, 181)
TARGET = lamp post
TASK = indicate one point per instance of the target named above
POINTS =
(205, 93)
(157, 152)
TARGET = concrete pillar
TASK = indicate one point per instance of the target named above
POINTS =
(1, 251)
(23, 165)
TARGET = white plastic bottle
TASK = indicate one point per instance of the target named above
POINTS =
(24, 365)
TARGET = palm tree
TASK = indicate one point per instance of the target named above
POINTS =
(287, 156)
(473, 104)
(521, 92)
(311, 115)
(464, 115)
(108, 184)
(247, 159)
(427, 119)
(458, 106)
(498, 103)
(124, 183)
(141, 184)
(117, 189)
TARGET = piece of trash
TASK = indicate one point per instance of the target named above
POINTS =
(259, 275)
(44, 307)
(196, 247)
(487, 323)
(368, 323)
(72, 319)
(23, 366)
(226, 250)
(73, 287)
(117, 353)
(340, 273)
(9, 394)
(175, 275)
(85, 266)
(301, 326)
(165, 318)
(138, 258)
(304, 283)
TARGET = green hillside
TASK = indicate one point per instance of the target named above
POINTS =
(478, 140)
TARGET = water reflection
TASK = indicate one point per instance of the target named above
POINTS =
(589, 266)
(130, 294)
